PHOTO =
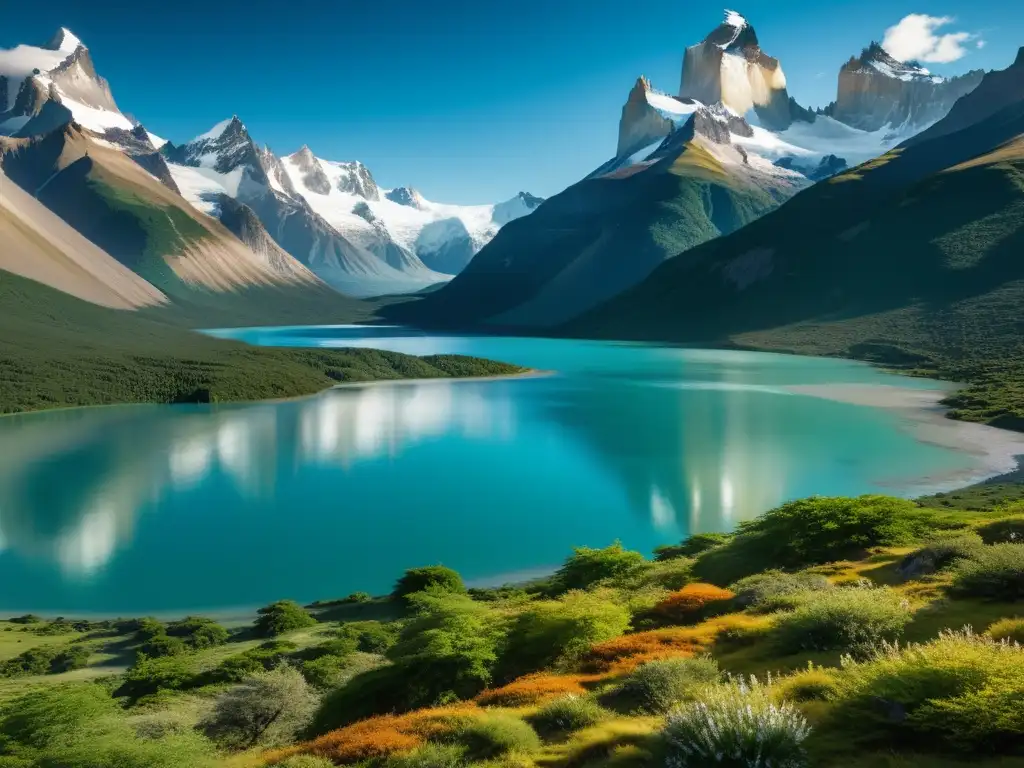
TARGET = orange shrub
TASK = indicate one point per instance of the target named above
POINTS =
(624, 653)
(380, 736)
(534, 689)
(693, 602)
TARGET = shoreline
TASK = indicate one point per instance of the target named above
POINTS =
(529, 373)
(1000, 452)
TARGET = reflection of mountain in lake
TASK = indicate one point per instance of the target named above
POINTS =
(682, 475)
(72, 483)
(347, 424)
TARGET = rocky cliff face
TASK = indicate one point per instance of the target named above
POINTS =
(640, 124)
(313, 176)
(730, 67)
(876, 90)
(356, 179)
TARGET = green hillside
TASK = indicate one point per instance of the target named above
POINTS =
(597, 237)
(56, 350)
(911, 260)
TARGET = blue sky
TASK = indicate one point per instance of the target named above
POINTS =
(468, 100)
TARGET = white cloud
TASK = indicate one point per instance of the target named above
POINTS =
(980, 44)
(915, 38)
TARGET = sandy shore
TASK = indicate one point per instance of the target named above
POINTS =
(997, 450)
(532, 373)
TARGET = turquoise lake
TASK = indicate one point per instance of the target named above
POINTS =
(166, 509)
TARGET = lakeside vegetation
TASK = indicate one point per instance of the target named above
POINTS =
(58, 351)
(868, 632)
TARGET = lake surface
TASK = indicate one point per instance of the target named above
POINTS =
(166, 509)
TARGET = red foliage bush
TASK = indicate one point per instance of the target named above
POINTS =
(694, 602)
(534, 689)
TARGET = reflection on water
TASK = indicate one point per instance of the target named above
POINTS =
(323, 496)
(71, 483)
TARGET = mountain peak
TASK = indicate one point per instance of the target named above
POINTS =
(220, 129)
(876, 60)
(735, 33)
(63, 40)
(1019, 61)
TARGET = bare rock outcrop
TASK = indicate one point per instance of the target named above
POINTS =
(876, 90)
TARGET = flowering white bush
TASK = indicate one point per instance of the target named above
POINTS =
(736, 725)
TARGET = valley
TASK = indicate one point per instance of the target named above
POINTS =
(708, 458)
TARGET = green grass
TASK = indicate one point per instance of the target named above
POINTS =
(57, 351)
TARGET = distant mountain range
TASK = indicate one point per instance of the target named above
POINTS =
(298, 217)
(728, 147)
(727, 209)
(913, 258)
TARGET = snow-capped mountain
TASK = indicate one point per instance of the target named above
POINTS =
(332, 215)
(61, 71)
(876, 90)
(881, 102)
(728, 66)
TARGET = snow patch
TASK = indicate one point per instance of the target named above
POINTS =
(155, 140)
(69, 41)
(214, 133)
(200, 186)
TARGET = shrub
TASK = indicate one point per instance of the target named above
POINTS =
(657, 686)
(447, 652)
(961, 691)
(324, 672)
(555, 632)
(693, 546)
(263, 657)
(428, 756)
(641, 646)
(71, 657)
(1011, 630)
(495, 736)
(763, 590)
(305, 761)
(28, 618)
(848, 619)
(812, 684)
(996, 572)
(148, 628)
(1008, 531)
(44, 660)
(370, 636)
(939, 554)
(268, 708)
(282, 616)
(736, 724)
(357, 597)
(589, 566)
(671, 574)
(163, 645)
(534, 689)
(383, 735)
(568, 713)
(198, 632)
(694, 602)
(148, 676)
(430, 577)
(817, 530)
